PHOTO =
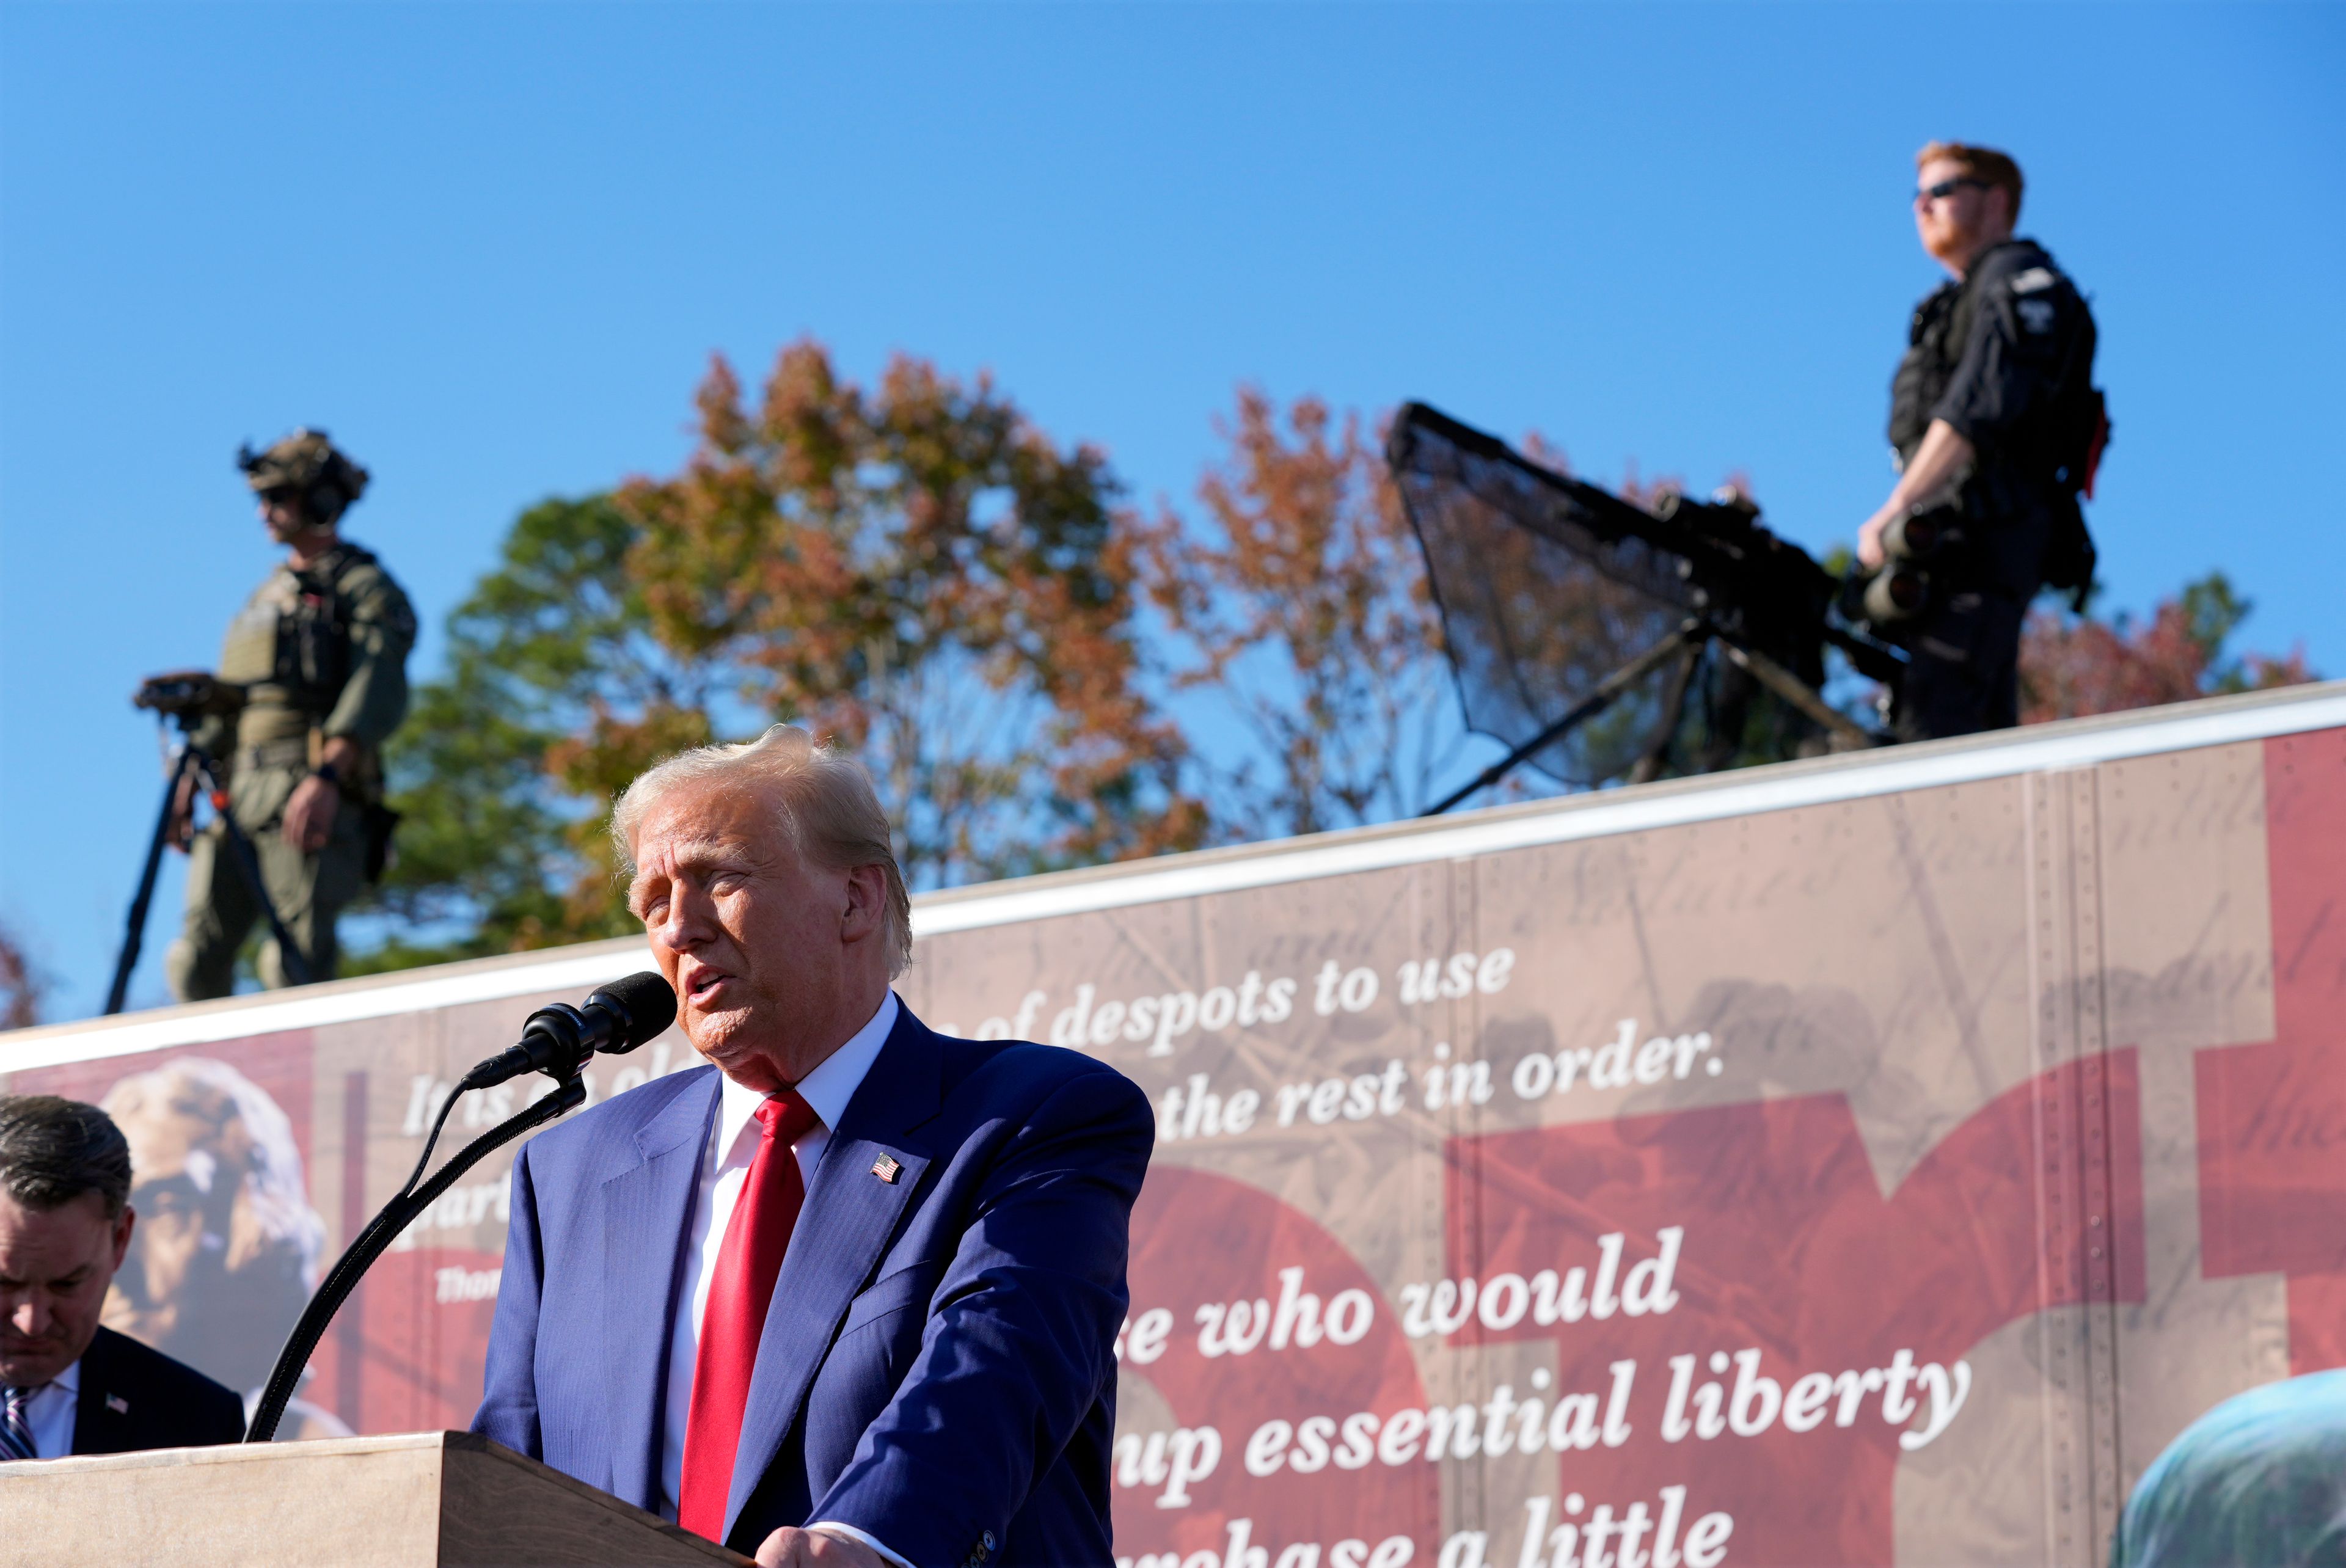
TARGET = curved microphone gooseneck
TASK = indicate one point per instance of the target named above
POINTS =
(556, 1041)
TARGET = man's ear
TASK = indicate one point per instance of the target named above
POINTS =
(2001, 219)
(865, 912)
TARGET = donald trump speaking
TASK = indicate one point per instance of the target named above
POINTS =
(849, 1293)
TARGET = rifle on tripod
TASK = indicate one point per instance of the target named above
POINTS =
(1583, 630)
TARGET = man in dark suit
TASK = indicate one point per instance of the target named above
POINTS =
(68, 1386)
(939, 1225)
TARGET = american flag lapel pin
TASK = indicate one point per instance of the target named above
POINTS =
(885, 1168)
(117, 1404)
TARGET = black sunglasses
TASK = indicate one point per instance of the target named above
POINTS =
(1948, 188)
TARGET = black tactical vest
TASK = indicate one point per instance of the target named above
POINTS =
(1935, 346)
(2052, 449)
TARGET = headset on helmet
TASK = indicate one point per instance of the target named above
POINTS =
(308, 466)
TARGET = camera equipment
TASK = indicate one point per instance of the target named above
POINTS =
(1900, 588)
(188, 698)
(617, 1018)
(1895, 594)
(1916, 534)
(187, 695)
(1579, 624)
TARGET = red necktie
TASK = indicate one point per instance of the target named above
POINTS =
(755, 1240)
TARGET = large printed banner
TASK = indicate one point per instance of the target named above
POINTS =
(1885, 1180)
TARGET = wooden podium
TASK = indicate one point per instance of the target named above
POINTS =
(422, 1500)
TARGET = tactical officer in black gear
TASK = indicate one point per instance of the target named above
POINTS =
(1996, 427)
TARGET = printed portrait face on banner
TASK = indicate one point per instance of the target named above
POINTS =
(227, 1245)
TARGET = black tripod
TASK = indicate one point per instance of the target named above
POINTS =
(1683, 650)
(193, 761)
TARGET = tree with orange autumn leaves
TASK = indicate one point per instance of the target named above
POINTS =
(2071, 665)
(921, 574)
(914, 569)
(1301, 611)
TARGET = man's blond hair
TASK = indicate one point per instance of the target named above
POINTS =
(1984, 163)
(829, 809)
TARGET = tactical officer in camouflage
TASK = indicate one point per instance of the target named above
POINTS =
(320, 652)
(1993, 412)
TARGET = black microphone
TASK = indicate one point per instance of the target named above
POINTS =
(557, 1040)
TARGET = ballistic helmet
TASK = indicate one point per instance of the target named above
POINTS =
(306, 465)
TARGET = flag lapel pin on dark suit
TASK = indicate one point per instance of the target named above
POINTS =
(885, 1168)
(117, 1404)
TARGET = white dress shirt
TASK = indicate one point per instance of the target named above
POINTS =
(50, 1414)
(724, 1166)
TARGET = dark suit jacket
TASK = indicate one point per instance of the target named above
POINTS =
(937, 1366)
(133, 1397)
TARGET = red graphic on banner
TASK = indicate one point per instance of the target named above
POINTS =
(1799, 1324)
(2272, 1116)
(1205, 1246)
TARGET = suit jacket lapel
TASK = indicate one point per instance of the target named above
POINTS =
(849, 1217)
(643, 1204)
(98, 1427)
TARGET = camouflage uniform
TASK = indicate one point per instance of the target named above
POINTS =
(320, 652)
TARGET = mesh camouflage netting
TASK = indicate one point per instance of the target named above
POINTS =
(1547, 586)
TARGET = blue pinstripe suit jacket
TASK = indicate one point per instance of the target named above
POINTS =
(937, 1366)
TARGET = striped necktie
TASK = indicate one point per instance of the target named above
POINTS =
(15, 1430)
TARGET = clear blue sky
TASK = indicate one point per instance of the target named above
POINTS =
(490, 247)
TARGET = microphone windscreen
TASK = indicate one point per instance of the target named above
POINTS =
(645, 1000)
